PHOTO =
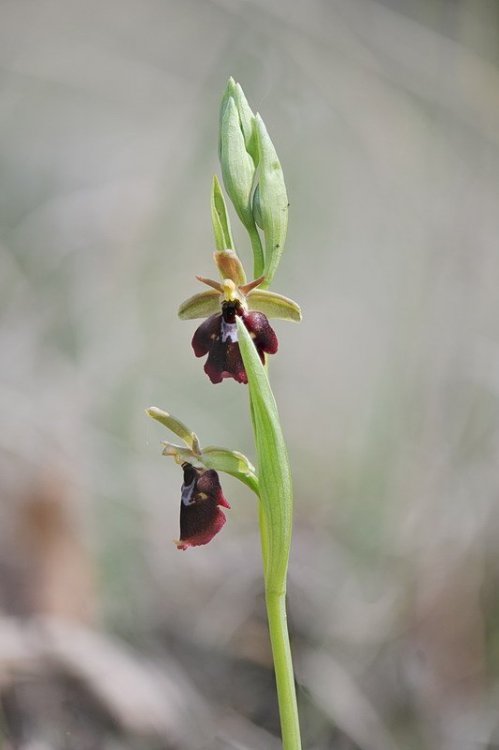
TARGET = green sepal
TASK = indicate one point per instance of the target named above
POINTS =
(230, 462)
(272, 201)
(238, 168)
(274, 475)
(220, 218)
(201, 305)
(175, 425)
(230, 266)
(274, 305)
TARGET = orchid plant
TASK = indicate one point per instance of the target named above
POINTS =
(237, 337)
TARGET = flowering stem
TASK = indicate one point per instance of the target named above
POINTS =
(275, 602)
(279, 637)
(283, 666)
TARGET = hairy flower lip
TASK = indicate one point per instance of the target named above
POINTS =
(200, 501)
(217, 337)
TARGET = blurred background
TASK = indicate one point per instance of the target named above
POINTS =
(386, 120)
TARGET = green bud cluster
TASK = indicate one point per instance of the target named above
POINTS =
(254, 182)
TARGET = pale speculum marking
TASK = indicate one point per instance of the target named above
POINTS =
(229, 331)
(187, 490)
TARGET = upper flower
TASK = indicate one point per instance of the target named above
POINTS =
(232, 297)
(217, 337)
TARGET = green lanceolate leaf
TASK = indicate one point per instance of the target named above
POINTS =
(274, 305)
(272, 201)
(274, 475)
(220, 218)
(201, 305)
(230, 462)
(173, 424)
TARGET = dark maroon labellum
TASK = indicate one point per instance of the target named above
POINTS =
(217, 337)
(200, 516)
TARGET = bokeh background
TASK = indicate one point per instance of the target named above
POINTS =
(386, 120)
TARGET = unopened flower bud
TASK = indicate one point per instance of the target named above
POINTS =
(238, 165)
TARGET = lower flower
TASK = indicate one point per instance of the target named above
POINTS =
(200, 516)
(217, 337)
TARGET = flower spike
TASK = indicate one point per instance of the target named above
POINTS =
(235, 337)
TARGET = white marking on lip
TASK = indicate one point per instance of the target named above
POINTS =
(229, 331)
(187, 490)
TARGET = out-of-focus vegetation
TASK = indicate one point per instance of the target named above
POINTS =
(386, 117)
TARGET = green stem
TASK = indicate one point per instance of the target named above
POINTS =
(256, 246)
(283, 665)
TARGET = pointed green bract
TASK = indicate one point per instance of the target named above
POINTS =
(274, 474)
(200, 305)
(220, 218)
(172, 423)
(274, 305)
(272, 201)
